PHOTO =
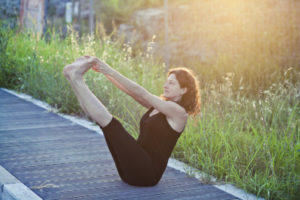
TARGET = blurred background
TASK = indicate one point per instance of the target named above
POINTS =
(246, 55)
(226, 36)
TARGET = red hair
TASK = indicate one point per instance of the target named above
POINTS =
(191, 100)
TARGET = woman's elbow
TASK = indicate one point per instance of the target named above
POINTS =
(140, 92)
(144, 95)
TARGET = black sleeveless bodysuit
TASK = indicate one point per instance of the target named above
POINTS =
(141, 162)
(157, 138)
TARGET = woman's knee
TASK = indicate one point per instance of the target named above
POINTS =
(103, 119)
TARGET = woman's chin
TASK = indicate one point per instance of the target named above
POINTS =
(167, 97)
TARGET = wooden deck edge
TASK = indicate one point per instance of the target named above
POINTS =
(12, 189)
(180, 166)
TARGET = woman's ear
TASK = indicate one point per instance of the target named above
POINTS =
(183, 91)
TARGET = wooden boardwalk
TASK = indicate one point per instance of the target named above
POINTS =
(58, 159)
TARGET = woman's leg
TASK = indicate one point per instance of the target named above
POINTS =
(133, 163)
(88, 101)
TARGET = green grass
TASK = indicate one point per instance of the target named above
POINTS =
(251, 143)
(242, 136)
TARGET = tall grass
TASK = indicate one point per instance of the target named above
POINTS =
(250, 140)
(34, 66)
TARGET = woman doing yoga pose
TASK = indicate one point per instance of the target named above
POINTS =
(139, 162)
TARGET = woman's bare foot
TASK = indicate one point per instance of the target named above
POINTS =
(77, 69)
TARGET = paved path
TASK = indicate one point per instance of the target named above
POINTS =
(58, 159)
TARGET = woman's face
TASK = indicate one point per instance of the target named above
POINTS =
(172, 89)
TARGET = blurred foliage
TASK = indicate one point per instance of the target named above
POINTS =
(115, 12)
(251, 140)
(9, 12)
(254, 42)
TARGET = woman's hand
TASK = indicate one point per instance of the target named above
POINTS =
(101, 66)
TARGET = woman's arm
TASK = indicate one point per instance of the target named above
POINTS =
(169, 108)
(116, 83)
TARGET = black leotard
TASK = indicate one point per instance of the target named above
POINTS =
(141, 162)
(157, 138)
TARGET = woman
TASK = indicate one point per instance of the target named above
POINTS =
(139, 162)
